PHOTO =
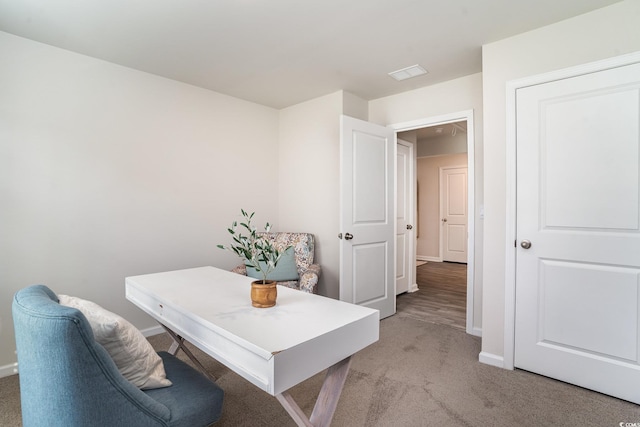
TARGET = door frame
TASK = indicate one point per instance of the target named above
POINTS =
(508, 359)
(466, 115)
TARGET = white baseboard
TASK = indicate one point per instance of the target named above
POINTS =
(12, 368)
(491, 359)
(428, 258)
(476, 332)
(8, 370)
(154, 330)
(413, 288)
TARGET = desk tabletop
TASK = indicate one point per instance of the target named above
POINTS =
(206, 301)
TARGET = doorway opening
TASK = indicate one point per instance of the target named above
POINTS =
(442, 294)
(444, 144)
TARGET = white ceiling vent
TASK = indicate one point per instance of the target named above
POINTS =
(407, 73)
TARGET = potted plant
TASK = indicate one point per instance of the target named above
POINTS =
(259, 253)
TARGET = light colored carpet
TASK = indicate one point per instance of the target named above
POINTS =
(418, 374)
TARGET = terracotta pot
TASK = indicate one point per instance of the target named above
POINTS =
(263, 295)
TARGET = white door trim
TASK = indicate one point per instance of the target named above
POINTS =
(439, 120)
(511, 236)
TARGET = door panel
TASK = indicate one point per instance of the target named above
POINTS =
(367, 284)
(367, 219)
(570, 192)
(369, 176)
(578, 285)
(583, 323)
(402, 269)
(456, 241)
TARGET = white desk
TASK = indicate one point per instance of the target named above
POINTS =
(273, 348)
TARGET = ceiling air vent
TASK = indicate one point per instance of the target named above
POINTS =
(407, 73)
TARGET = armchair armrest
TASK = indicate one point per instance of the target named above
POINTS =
(241, 269)
(309, 279)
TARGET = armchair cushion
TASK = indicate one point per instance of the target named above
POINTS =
(285, 270)
(136, 360)
(185, 399)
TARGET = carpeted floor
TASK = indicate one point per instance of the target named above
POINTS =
(418, 374)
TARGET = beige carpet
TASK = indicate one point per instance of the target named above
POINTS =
(418, 374)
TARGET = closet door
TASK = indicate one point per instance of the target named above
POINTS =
(578, 230)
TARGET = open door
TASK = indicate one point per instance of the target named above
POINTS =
(405, 208)
(367, 215)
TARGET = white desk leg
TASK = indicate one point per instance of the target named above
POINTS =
(178, 344)
(327, 400)
(174, 347)
(293, 410)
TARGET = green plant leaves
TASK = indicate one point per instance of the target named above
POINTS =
(253, 248)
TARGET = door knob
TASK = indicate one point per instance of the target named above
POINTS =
(525, 244)
(339, 235)
(444, 219)
(348, 236)
(409, 226)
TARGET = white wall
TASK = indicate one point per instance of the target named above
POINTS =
(107, 172)
(449, 97)
(309, 176)
(604, 33)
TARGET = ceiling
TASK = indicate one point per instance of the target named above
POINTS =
(438, 131)
(282, 52)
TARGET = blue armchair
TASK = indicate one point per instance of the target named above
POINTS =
(68, 379)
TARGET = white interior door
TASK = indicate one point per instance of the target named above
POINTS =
(405, 230)
(453, 218)
(367, 217)
(578, 230)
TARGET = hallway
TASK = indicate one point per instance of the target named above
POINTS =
(442, 295)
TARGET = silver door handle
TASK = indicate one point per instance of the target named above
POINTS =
(525, 244)
(348, 236)
(409, 226)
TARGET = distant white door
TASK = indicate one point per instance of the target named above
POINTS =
(578, 230)
(453, 218)
(367, 218)
(405, 230)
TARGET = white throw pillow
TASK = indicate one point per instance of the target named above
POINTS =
(134, 356)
